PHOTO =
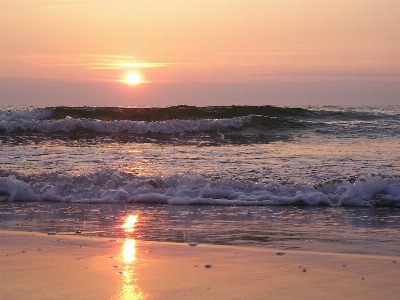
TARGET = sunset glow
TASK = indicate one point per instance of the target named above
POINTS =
(133, 79)
(239, 52)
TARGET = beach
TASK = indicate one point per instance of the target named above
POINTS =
(70, 266)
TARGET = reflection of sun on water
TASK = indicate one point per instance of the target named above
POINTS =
(129, 290)
(130, 222)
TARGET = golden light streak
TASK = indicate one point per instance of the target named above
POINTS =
(129, 225)
(129, 251)
(125, 65)
(129, 290)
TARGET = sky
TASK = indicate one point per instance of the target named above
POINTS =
(219, 52)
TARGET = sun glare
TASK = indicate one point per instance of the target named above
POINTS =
(129, 225)
(133, 78)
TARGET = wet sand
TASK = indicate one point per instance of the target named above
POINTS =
(42, 266)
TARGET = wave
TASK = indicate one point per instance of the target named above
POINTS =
(219, 124)
(137, 127)
(25, 114)
(151, 114)
(175, 119)
(184, 112)
(108, 186)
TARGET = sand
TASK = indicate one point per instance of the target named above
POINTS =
(41, 266)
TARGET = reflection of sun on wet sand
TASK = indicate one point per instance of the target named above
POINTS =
(128, 288)
(77, 267)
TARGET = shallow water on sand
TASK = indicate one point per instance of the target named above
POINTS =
(297, 163)
(326, 229)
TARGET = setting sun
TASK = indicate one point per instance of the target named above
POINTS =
(133, 78)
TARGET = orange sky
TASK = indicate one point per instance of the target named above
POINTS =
(198, 42)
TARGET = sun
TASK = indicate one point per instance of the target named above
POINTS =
(133, 78)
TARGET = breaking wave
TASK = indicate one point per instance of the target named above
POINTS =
(113, 187)
(189, 124)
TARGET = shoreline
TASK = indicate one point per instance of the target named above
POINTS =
(365, 231)
(79, 267)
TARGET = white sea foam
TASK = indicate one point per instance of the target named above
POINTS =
(190, 189)
(69, 124)
(25, 114)
(13, 190)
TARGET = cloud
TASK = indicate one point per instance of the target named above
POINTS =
(331, 76)
(59, 6)
(113, 62)
(90, 61)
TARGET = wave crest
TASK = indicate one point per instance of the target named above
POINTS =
(109, 187)
(136, 127)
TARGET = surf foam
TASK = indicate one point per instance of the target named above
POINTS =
(110, 187)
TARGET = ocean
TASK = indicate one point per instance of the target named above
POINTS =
(286, 177)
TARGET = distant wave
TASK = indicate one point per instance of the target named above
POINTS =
(112, 187)
(25, 114)
(184, 112)
(69, 124)
(153, 114)
(218, 124)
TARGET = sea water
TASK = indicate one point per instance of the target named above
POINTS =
(234, 174)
